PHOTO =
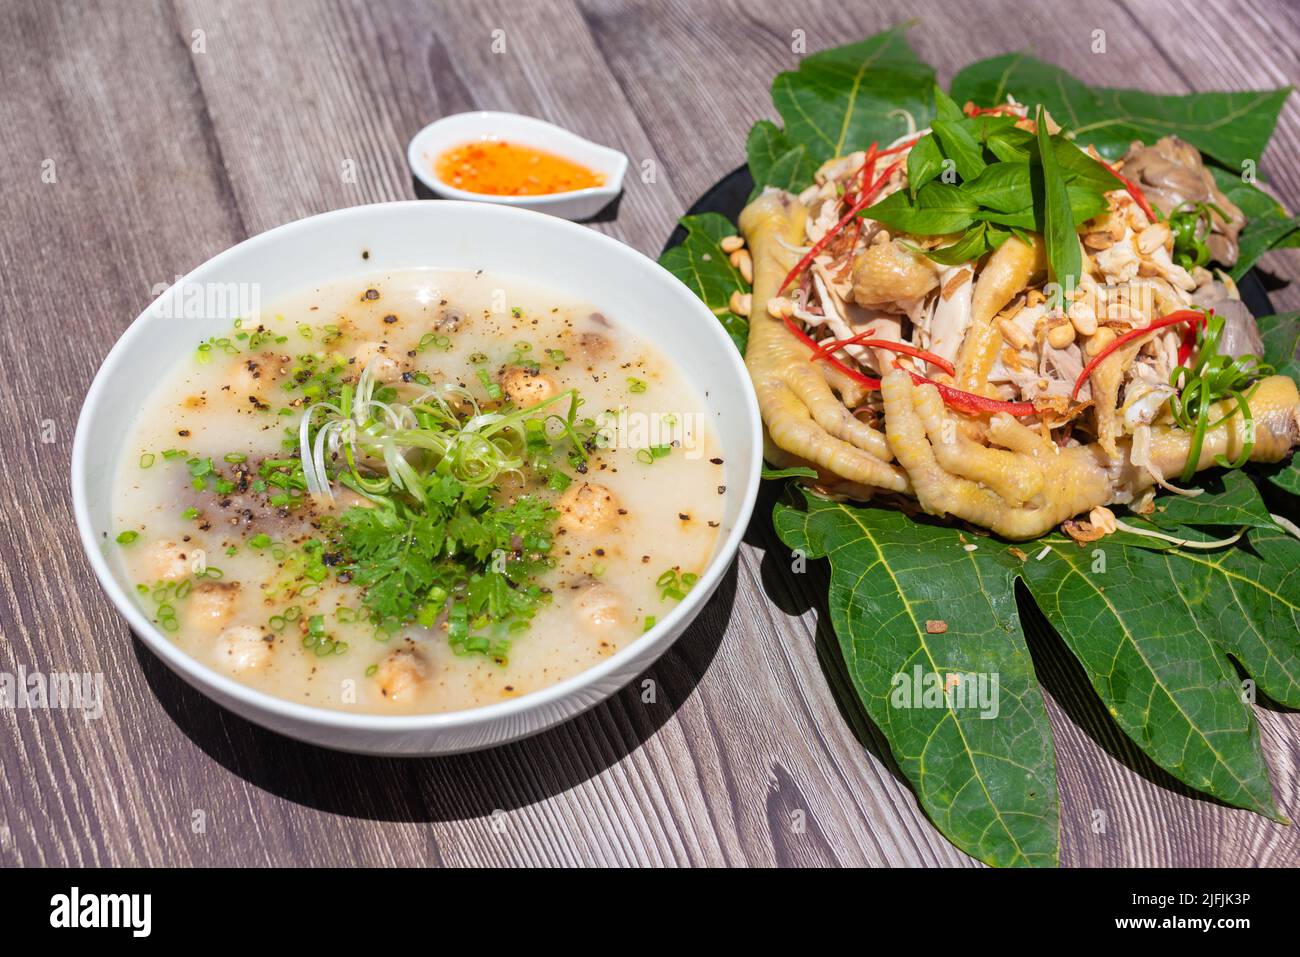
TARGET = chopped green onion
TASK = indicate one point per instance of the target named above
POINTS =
(1211, 379)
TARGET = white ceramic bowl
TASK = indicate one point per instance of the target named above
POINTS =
(631, 289)
(460, 128)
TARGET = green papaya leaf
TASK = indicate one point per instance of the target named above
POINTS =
(1229, 127)
(1281, 335)
(1288, 479)
(794, 471)
(908, 600)
(1268, 224)
(1230, 499)
(840, 100)
(775, 161)
(764, 145)
(706, 270)
(792, 171)
(1154, 631)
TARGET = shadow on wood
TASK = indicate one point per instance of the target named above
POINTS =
(795, 595)
(456, 787)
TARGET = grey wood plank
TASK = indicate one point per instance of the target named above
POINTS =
(80, 256)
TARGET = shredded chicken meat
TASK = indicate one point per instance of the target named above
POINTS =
(995, 421)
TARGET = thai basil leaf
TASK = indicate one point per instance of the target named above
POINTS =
(1229, 127)
(1085, 202)
(924, 162)
(987, 125)
(706, 270)
(1082, 170)
(1011, 145)
(971, 246)
(939, 209)
(1028, 218)
(946, 207)
(1059, 233)
(1004, 187)
(960, 146)
(946, 108)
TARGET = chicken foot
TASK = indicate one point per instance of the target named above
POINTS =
(1003, 277)
(802, 413)
(1030, 485)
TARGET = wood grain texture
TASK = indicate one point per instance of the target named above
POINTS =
(742, 745)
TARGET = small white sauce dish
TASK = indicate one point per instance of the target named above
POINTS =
(633, 291)
(486, 125)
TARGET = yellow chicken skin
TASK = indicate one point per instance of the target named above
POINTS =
(803, 416)
(1066, 481)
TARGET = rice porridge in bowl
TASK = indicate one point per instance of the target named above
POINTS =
(397, 494)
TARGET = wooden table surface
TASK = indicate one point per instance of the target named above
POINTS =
(175, 130)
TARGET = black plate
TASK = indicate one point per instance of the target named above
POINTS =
(727, 196)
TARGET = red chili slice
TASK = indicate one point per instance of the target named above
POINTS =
(973, 404)
(863, 175)
(1004, 109)
(824, 349)
(900, 147)
(864, 380)
(1134, 190)
(1173, 319)
(1188, 345)
(860, 204)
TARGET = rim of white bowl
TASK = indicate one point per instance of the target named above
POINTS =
(430, 179)
(187, 665)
